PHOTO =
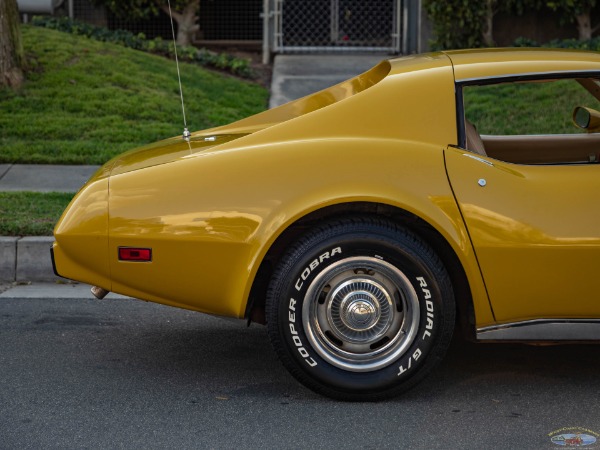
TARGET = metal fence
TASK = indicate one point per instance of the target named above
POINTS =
(282, 26)
(337, 25)
(220, 21)
(230, 20)
(85, 11)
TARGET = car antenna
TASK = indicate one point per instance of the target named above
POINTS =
(186, 133)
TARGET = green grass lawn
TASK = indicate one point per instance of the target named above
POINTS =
(30, 213)
(86, 101)
(526, 108)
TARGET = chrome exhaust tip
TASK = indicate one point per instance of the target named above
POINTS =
(99, 292)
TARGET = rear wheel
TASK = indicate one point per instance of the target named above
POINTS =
(360, 309)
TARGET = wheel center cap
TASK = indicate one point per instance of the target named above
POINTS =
(360, 311)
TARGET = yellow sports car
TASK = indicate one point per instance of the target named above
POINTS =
(366, 222)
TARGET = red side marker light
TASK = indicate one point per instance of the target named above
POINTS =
(135, 254)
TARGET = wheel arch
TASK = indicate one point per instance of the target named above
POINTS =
(255, 308)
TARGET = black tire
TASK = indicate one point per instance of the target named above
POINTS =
(360, 309)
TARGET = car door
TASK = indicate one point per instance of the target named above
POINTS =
(529, 199)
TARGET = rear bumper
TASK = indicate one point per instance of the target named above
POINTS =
(71, 263)
(53, 261)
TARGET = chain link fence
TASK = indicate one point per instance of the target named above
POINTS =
(320, 25)
(280, 25)
(220, 21)
(230, 20)
(85, 11)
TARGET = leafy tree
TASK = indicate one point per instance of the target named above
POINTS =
(579, 11)
(456, 23)
(492, 7)
(470, 23)
(11, 49)
(185, 13)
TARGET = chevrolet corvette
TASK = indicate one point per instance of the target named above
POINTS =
(366, 223)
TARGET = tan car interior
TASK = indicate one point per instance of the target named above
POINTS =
(535, 149)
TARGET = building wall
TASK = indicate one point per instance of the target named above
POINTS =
(541, 27)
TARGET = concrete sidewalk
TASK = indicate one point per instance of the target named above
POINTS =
(44, 178)
(294, 76)
(28, 258)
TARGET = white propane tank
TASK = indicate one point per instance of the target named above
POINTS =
(38, 6)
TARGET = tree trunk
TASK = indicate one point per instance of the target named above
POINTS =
(488, 26)
(584, 25)
(11, 50)
(186, 22)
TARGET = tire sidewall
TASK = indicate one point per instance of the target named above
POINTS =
(305, 265)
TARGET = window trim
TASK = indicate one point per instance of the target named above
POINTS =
(486, 81)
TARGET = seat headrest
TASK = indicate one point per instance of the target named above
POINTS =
(474, 142)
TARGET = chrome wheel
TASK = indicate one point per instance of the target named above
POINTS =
(361, 314)
(360, 308)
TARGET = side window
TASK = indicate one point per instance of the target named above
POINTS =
(531, 122)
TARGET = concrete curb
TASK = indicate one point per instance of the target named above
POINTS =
(64, 290)
(26, 259)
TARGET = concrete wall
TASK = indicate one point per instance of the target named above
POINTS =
(541, 27)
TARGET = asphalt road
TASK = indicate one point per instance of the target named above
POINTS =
(82, 373)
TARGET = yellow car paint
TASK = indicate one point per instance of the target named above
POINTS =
(501, 62)
(535, 232)
(212, 208)
(81, 234)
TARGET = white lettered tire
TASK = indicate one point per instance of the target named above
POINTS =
(360, 309)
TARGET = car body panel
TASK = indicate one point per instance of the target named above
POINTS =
(535, 232)
(213, 207)
(417, 92)
(167, 151)
(81, 235)
(213, 248)
(503, 62)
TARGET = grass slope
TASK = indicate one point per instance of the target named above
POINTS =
(87, 101)
(526, 108)
(30, 213)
